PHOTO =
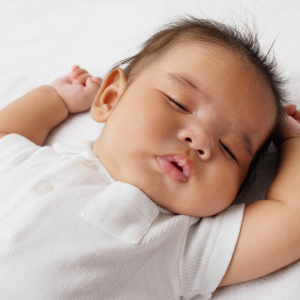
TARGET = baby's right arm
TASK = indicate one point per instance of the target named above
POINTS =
(35, 114)
(270, 233)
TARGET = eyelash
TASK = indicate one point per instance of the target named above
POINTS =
(178, 105)
(228, 151)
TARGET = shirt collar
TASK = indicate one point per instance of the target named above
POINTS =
(85, 148)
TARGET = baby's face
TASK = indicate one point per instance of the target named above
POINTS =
(186, 129)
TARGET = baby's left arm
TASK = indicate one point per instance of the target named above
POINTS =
(35, 114)
(270, 232)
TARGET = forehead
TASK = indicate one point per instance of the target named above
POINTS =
(226, 81)
(212, 60)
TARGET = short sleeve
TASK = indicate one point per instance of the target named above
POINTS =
(15, 149)
(208, 250)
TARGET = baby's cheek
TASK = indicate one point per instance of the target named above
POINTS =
(225, 188)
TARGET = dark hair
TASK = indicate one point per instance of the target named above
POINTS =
(245, 42)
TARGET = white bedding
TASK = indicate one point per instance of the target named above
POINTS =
(41, 39)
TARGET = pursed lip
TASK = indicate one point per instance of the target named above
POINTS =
(177, 166)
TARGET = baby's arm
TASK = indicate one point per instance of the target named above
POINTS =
(270, 233)
(35, 114)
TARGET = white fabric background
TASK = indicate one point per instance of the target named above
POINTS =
(41, 39)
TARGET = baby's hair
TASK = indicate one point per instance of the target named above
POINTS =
(245, 43)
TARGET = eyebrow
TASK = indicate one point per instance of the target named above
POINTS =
(184, 82)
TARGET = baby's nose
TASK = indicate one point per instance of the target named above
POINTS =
(198, 141)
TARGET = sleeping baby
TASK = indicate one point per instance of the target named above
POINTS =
(145, 212)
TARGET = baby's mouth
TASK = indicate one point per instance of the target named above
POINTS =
(177, 166)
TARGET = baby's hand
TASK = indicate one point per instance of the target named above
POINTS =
(290, 128)
(78, 89)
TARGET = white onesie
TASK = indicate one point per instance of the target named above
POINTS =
(68, 231)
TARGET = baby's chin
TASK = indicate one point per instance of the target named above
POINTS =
(167, 200)
(163, 191)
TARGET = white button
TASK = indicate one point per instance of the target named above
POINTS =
(90, 165)
(44, 187)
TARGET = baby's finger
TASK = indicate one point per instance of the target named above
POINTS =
(290, 109)
(78, 72)
(97, 80)
(74, 68)
(81, 79)
(91, 88)
(296, 115)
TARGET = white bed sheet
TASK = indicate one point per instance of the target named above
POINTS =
(40, 40)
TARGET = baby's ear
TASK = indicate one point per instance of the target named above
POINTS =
(108, 95)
